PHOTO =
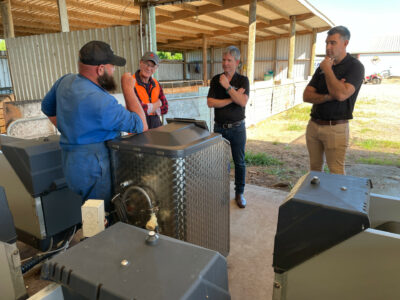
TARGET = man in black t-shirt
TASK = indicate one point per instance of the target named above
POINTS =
(333, 91)
(228, 94)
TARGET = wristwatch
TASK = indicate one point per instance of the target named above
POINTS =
(228, 89)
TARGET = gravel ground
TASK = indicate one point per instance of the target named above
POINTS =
(382, 118)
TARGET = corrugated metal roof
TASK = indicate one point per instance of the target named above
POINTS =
(377, 44)
(369, 44)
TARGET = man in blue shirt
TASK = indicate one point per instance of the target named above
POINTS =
(87, 116)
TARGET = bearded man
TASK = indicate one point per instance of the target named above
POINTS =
(87, 116)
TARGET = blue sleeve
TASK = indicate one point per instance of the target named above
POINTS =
(49, 103)
(116, 117)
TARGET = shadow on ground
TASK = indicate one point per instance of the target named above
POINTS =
(295, 162)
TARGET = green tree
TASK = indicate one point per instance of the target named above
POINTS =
(170, 55)
(2, 45)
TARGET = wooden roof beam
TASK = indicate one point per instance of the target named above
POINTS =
(104, 10)
(216, 2)
(185, 28)
(52, 24)
(165, 13)
(282, 14)
(227, 19)
(204, 9)
(245, 13)
(27, 17)
(188, 7)
(275, 10)
(238, 29)
(269, 31)
(181, 34)
(53, 10)
(205, 23)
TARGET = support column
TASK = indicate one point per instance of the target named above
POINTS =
(152, 27)
(211, 62)
(312, 54)
(184, 65)
(275, 51)
(242, 71)
(292, 42)
(150, 41)
(204, 60)
(7, 20)
(252, 40)
(62, 11)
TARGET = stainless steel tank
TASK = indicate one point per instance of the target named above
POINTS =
(184, 170)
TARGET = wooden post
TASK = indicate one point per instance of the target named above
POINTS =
(62, 11)
(212, 62)
(251, 49)
(292, 42)
(312, 54)
(205, 77)
(184, 65)
(242, 72)
(7, 20)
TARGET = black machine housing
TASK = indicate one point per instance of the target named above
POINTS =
(321, 211)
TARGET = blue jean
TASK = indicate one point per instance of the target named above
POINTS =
(237, 138)
(87, 171)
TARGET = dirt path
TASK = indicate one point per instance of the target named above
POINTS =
(375, 139)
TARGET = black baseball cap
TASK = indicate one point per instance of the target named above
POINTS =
(97, 53)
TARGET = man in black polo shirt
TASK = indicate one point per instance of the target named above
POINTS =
(333, 91)
(228, 94)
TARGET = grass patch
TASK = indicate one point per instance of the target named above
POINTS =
(365, 130)
(277, 171)
(297, 113)
(261, 159)
(365, 114)
(372, 144)
(378, 161)
(368, 101)
(296, 127)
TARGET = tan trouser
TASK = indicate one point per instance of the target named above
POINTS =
(332, 140)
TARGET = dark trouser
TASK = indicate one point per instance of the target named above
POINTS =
(153, 121)
(87, 171)
(237, 138)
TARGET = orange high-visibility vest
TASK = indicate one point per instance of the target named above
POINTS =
(144, 97)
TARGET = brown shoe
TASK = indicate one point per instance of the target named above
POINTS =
(240, 201)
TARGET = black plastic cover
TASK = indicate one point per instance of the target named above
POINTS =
(177, 139)
(7, 228)
(319, 215)
(37, 162)
(118, 264)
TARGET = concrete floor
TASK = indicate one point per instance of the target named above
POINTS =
(252, 242)
(252, 238)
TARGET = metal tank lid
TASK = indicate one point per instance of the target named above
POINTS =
(176, 139)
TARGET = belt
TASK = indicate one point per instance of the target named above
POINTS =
(326, 122)
(230, 125)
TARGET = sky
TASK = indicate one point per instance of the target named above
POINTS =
(364, 18)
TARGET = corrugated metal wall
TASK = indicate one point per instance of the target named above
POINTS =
(37, 61)
(5, 80)
(170, 71)
(263, 59)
